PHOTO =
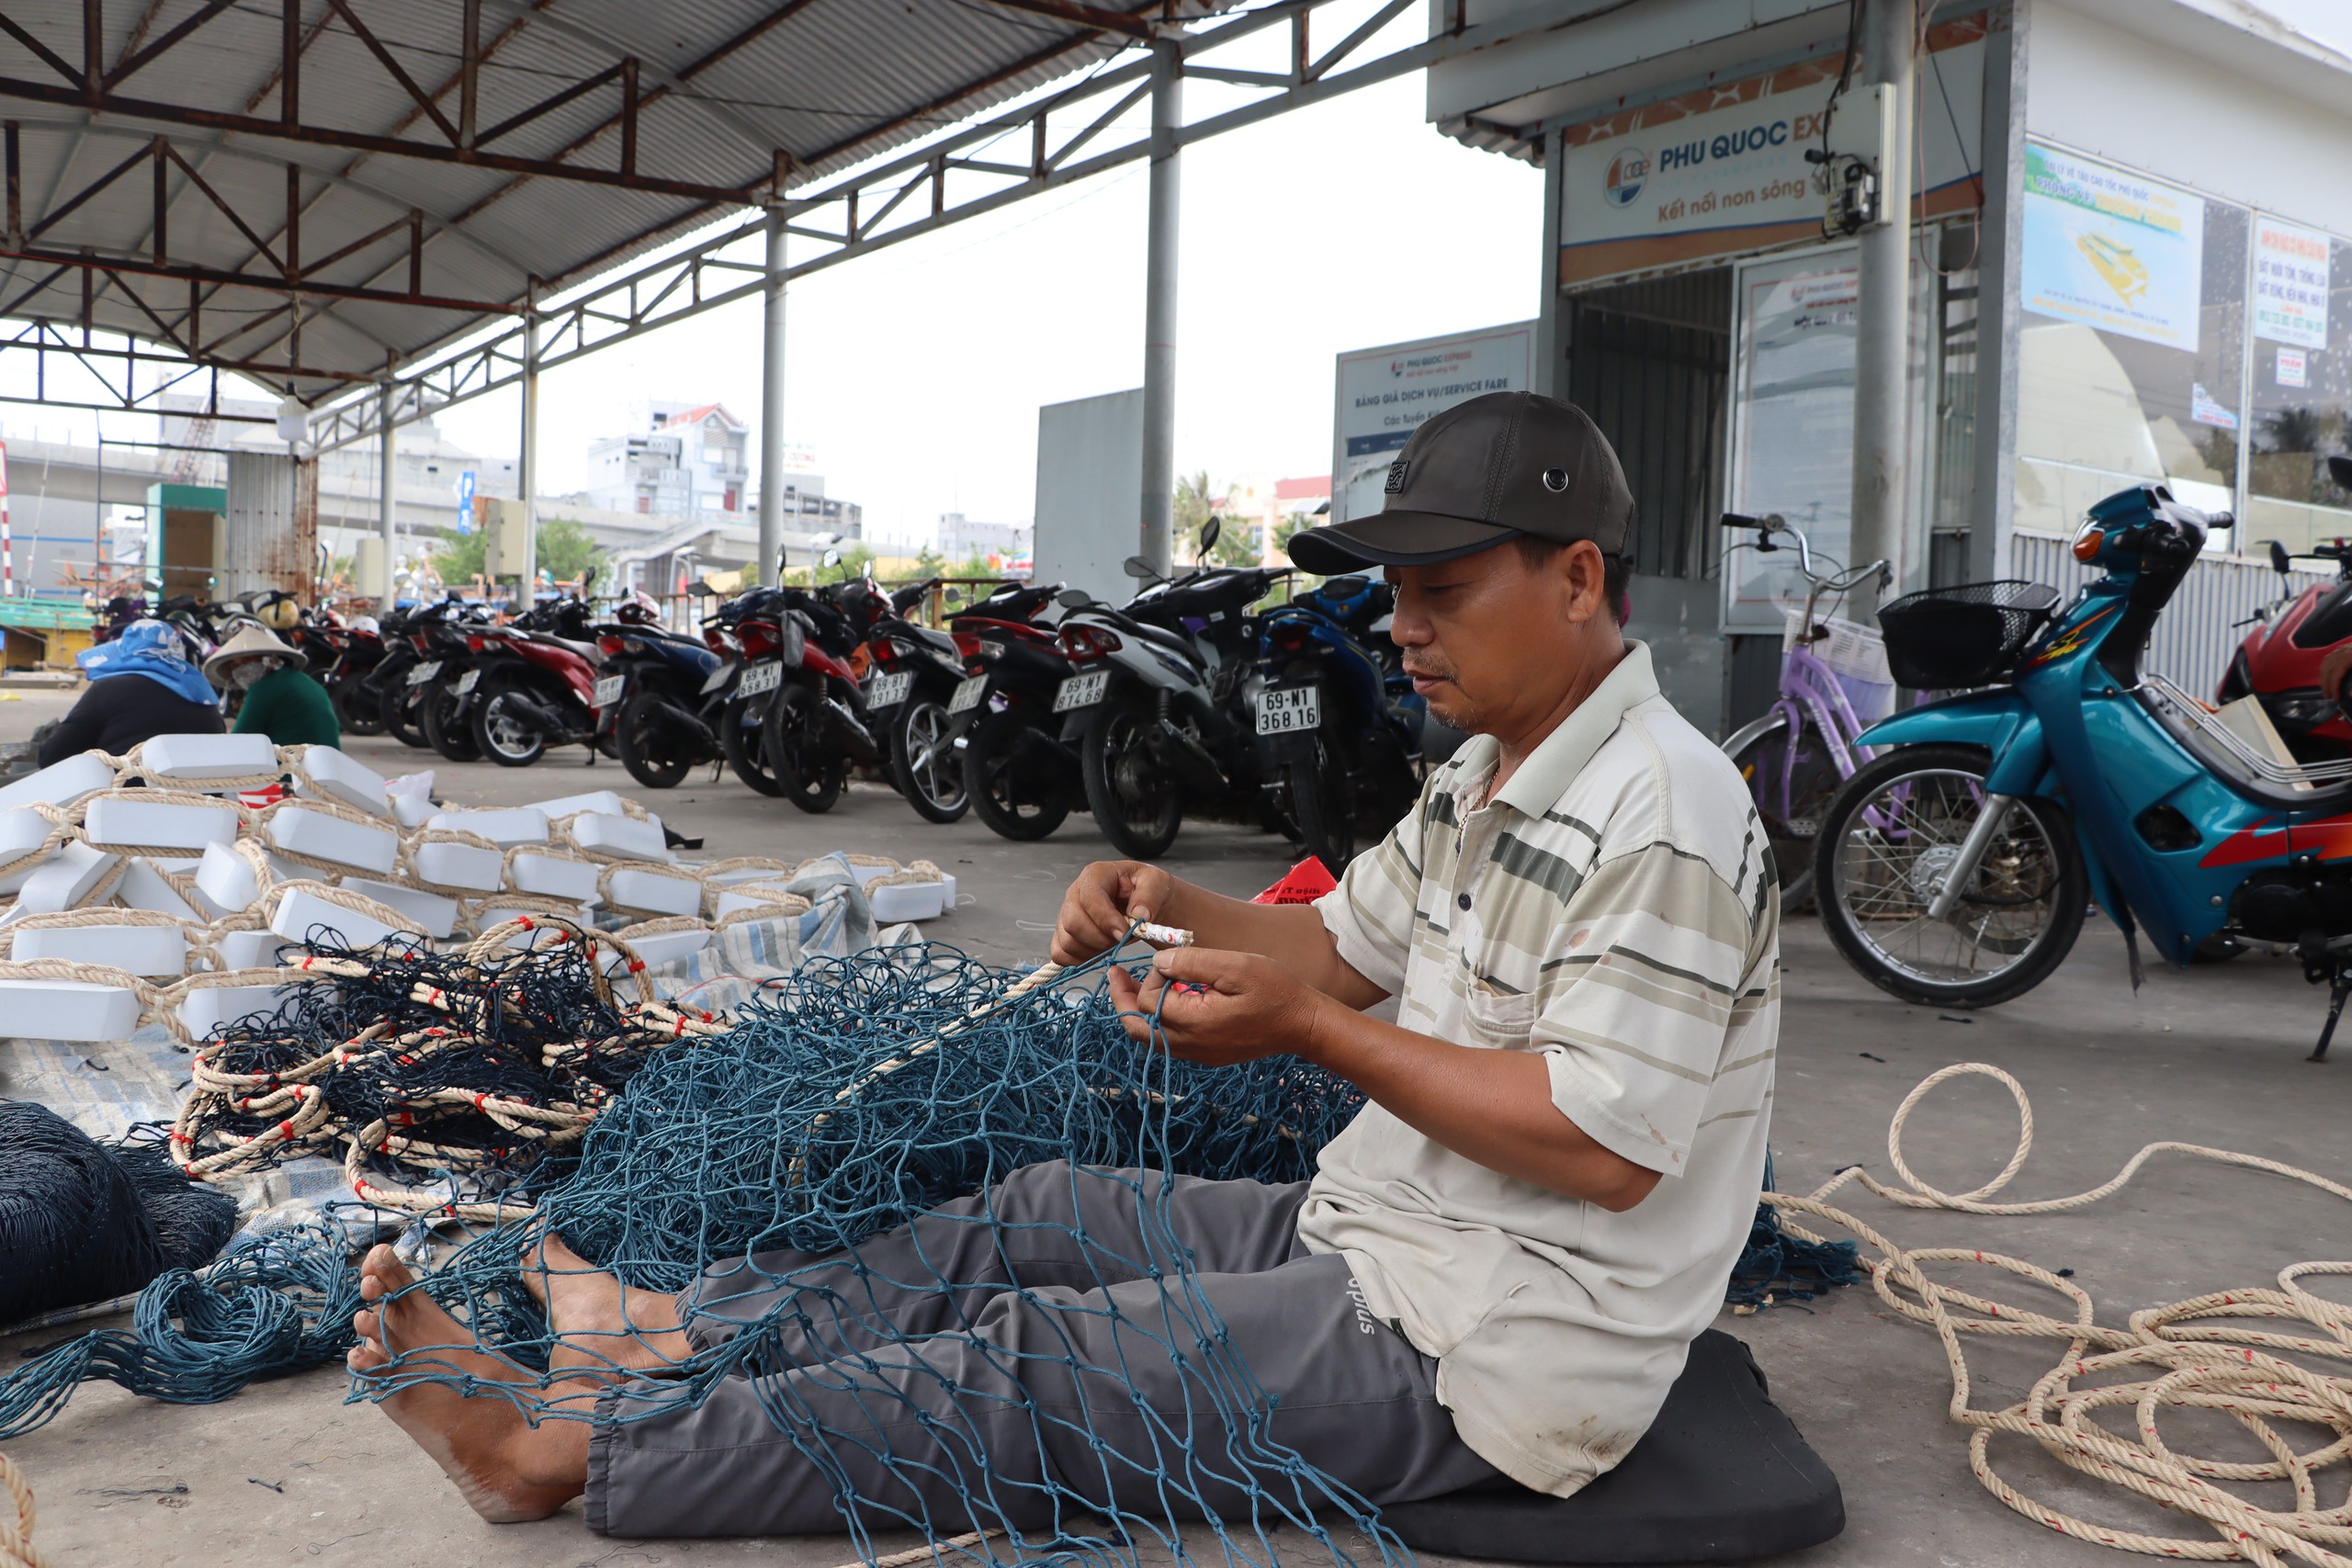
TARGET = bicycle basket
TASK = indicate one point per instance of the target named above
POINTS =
(1969, 634)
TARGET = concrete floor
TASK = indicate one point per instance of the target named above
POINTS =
(287, 1472)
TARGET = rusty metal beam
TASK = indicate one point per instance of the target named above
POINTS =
(305, 288)
(361, 141)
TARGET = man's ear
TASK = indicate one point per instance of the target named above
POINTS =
(1585, 581)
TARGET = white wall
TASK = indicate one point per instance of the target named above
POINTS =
(2185, 105)
(1090, 492)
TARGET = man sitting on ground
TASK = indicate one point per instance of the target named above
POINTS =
(1501, 1261)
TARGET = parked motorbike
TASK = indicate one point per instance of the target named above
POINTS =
(1955, 868)
(651, 700)
(753, 634)
(1336, 746)
(413, 686)
(915, 676)
(816, 726)
(2279, 663)
(1157, 708)
(1021, 777)
(529, 685)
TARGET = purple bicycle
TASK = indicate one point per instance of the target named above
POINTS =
(1833, 683)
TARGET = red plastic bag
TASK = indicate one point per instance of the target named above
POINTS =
(1304, 884)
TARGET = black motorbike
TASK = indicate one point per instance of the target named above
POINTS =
(1023, 780)
(657, 701)
(915, 677)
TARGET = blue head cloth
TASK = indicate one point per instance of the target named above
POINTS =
(152, 649)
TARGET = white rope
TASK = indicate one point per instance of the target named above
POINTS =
(2197, 1354)
(17, 1548)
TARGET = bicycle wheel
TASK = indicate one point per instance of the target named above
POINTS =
(1887, 843)
(1790, 781)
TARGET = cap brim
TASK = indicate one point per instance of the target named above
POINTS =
(1392, 538)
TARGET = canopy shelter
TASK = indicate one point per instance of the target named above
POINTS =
(436, 200)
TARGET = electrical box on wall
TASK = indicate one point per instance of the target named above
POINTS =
(1860, 148)
(502, 523)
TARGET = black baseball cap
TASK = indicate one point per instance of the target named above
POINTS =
(1483, 471)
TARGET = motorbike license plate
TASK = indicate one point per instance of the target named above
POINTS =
(424, 672)
(1081, 690)
(968, 692)
(608, 691)
(760, 678)
(1283, 710)
(888, 690)
(467, 682)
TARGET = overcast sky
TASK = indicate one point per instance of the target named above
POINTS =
(916, 373)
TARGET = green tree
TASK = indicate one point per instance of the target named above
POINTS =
(931, 563)
(458, 557)
(566, 549)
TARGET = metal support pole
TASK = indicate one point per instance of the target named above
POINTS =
(763, 569)
(1882, 491)
(1158, 512)
(527, 466)
(388, 590)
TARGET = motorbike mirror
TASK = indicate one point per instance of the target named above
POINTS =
(2279, 557)
(1136, 567)
(2339, 468)
(1211, 531)
(1073, 599)
(831, 557)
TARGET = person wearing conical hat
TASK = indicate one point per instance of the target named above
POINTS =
(280, 701)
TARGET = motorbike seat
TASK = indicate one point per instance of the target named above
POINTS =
(587, 650)
(1173, 642)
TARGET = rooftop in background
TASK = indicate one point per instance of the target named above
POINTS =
(310, 197)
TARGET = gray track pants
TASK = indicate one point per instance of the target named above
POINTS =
(1046, 1384)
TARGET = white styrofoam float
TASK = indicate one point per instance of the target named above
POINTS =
(411, 812)
(470, 866)
(625, 837)
(68, 1010)
(551, 876)
(435, 916)
(66, 881)
(335, 776)
(115, 820)
(604, 802)
(22, 831)
(504, 826)
(658, 948)
(60, 784)
(155, 951)
(299, 911)
(643, 891)
(144, 887)
(227, 879)
(326, 838)
(207, 1008)
(896, 901)
(749, 896)
(248, 950)
(193, 758)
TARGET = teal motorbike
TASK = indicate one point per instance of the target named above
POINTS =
(1955, 868)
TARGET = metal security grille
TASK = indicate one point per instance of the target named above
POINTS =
(1654, 378)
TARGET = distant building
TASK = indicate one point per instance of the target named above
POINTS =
(1264, 506)
(691, 462)
(961, 538)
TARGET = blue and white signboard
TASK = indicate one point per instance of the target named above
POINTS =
(1384, 393)
(2112, 249)
(466, 501)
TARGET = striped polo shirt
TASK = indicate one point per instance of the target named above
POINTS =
(1614, 908)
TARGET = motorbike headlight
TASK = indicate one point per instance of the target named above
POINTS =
(2305, 709)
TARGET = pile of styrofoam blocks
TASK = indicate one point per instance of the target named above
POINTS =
(150, 874)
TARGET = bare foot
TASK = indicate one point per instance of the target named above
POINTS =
(508, 1469)
(600, 1323)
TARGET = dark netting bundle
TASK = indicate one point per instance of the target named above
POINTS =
(82, 1221)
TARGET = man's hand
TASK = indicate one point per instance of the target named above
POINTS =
(1219, 1008)
(2332, 670)
(1107, 897)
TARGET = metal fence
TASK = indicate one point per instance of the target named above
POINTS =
(2204, 623)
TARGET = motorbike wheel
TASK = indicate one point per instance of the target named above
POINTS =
(653, 758)
(1319, 807)
(355, 710)
(1018, 798)
(398, 706)
(1136, 803)
(809, 779)
(745, 755)
(437, 717)
(502, 733)
(923, 762)
(1889, 836)
(1760, 752)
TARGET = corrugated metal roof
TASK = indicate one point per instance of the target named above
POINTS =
(724, 84)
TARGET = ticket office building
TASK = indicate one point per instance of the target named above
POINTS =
(2132, 261)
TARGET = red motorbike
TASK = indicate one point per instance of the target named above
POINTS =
(532, 684)
(2279, 663)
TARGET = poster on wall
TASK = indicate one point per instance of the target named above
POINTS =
(1384, 394)
(1793, 428)
(2289, 288)
(2112, 249)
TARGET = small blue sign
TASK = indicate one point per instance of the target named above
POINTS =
(466, 501)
